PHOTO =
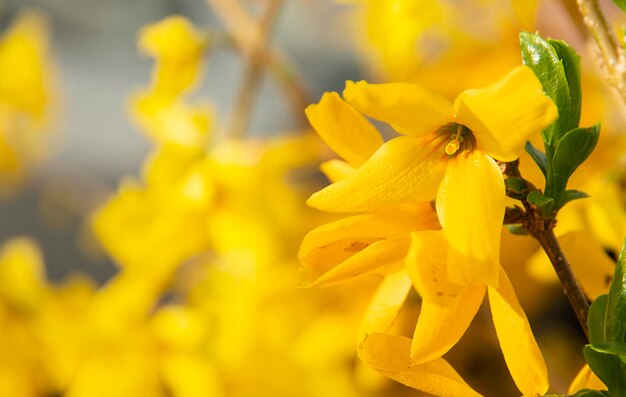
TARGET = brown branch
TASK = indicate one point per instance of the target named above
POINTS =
(570, 284)
(252, 77)
(613, 60)
(252, 39)
(542, 230)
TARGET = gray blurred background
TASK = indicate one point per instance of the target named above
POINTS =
(94, 48)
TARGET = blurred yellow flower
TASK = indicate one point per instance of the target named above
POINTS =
(432, 42)
(141, 225)
(162, 110)
(26, 96)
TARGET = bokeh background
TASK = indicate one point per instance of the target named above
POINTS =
(98, 66)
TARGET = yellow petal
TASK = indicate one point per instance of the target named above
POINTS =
(330, 245)
(521, 353)
(505, 115)
(389, 355)
(379, 225)
(440, 327)
(410, 108)
(402, 170)
(586, 379)
(22, 274)
(380, 257)
(188, 375)
(346, 131)
(426, 264)
(470, 205)
(26, 78)
(336, 170)
(386, 303)
(178, 47)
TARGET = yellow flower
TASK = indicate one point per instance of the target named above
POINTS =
(445, 152)
(448, 309)
(177, 47)
(26, 97)
(162, 110)
(433, 42)
(141, 226)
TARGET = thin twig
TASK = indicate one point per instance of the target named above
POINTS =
(570, 284)
(252, 77)
(252, 39)
(542, 230)
(612, 53)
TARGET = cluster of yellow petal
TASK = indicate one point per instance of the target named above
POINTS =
(26, 97)
(162, 110)
(430, 41)
(393, 185)
(212, 227)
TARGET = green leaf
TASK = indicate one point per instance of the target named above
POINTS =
(544, 60)
(538, 156)
(614, 348)
(571, 195)
(615, 313)
(571, 151)
(571, 65)
(515, 184)
(591, 393)
(541, 202)
(607, 325)
(595, 319)
(621, 4)
(582, 393)
(518, 230)
(608, 368)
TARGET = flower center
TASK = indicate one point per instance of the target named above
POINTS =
(460, 138)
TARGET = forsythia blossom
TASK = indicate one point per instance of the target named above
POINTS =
(446, 152)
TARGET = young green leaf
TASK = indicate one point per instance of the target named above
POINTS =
(608, 368)
(543, 203)
(571, 151)
(515, 185)
(614, 348)
(582, 393)
(544, 60)
(571, 195)
(571, 64)
(595, 319)
(518, 230)
(591, 393)
(606, 355)
(615, 314)
(538, 156)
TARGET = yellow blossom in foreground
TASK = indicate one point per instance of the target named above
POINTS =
(445, 153)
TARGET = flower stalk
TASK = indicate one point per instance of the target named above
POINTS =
(542, 229)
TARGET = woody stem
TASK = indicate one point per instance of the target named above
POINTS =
(542, 230)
